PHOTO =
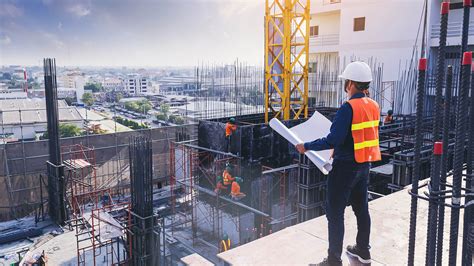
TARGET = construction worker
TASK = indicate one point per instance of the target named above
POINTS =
(230, 128)
(225, 243)
(227, 175)
(367, 93)
(220, 185)
(355, 139)
(235, 190)
(389, 118)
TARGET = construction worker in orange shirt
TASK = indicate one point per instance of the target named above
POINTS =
(235, 190)
(389, 118)
(225, 243)
(220, 185)
(227, 176)
(230, 128)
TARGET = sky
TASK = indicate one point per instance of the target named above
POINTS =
(137, 33)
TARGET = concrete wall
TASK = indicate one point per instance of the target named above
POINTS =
(388, 36)
(23, 162)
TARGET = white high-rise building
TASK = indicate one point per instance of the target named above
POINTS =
(136, 85)
(385, 32)
(74, 80)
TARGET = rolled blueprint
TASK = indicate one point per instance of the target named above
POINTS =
(324, 165)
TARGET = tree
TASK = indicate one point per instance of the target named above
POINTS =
(94, 87)
(66, 131)
(161, 116)
(138, 106)
(179, 120)
(118, 97)
(165, 108)
(88, 98)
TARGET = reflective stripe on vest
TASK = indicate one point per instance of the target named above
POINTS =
(227, 178)
(367, 124)
(225, 246)
(365, 129)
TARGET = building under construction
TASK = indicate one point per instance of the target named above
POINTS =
(152, 196)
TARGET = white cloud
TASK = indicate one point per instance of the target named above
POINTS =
(53, 39)
(60, 26)
(79, 10)
(10, 10)
(5, 39)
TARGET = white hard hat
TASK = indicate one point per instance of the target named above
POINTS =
(357, 71)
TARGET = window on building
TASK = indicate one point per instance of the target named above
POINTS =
(359, 24)
(314, 31)
(312, 67)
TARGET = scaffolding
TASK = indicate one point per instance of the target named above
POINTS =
(100, 223)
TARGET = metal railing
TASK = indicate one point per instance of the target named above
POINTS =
(454, 29)
(324, 40)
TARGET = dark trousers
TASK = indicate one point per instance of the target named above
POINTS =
(227, 139)
(347, 185)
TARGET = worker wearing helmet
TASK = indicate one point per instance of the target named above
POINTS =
(227, 175)
(230, 128)
(389, 118)
(355, 140)
(235, 190)
(225, 243)
(219, 185)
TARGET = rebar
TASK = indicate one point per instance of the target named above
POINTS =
(416, 169)
(141, 174)
(56, 186)
(444, 162)
(434, 182)
(468, 212)
(461, 120)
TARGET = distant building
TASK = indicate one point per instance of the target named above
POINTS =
(75, 80)
(113, 84)
(136, 85)
(177, 86)
(26, 118)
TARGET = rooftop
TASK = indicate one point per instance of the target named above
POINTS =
(306, 243)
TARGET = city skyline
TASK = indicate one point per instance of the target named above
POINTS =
(141, 33)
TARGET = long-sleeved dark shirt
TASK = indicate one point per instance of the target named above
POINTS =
(340, 135)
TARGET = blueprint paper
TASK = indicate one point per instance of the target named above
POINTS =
(317, 126)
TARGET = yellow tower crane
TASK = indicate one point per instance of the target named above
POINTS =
(286, 58)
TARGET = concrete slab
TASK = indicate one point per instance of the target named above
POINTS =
(307, 243)
(196, 260)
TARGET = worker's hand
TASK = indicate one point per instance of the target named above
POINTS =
(300, 148)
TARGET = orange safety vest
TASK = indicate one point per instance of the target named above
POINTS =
(229, 129)
(388, 119)
(227, 178)
(365, 129)
(225, 246)
(235, 189)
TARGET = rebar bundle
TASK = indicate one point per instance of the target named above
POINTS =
(56, 186)
(141, 177)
